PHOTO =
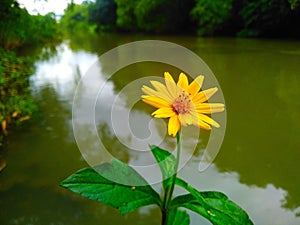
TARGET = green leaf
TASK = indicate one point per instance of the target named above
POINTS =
(166, 162)
(94, 185)
(178, 217)
(193, 191)
(214, 206)
(221, 212)
(120, 172)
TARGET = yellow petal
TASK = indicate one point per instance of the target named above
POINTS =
(200, 123)
(208, 120)
(148, 91)
(171, 85)
(196, 85)
(204, 125)
(169, 77)
(164, 113)
(155, 101)
(162, 91)
(209, 108)
(173, 126)
(186, 119)
(204, 95)
(183, 81)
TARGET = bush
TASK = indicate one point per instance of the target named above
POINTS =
(13, 22)
(271, 18)
(211, 15)
(89, 17)
(16, 102)
(18, 28)
(103, 13)
(126, 19)
(295, 4)
(163, 15)
(76, 18)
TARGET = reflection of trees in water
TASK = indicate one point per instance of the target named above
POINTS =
(40, 51)
(43, 151)
(112, 144)
(98, 43)
(22, 205)
(261, 141)
(135, 71)
(288, 92)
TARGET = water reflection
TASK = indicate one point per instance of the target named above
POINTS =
(51, 206)
(257, 166)
(62, 72)
(260, 85)
(263, 204)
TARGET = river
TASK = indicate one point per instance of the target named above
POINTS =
(257, 166)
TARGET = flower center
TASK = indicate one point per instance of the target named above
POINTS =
(182, 104)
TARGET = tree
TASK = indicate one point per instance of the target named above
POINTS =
(103, 13)
(271, 18)
(126, 19)
(210, 16)
(163, 15)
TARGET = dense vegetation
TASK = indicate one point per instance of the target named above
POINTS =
(16, 103)
(19, 29)
(255, 18)
(76, 18)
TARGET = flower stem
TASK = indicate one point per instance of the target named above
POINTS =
(176, 167)
(169, 191)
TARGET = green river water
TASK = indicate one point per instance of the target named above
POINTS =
(258, 164)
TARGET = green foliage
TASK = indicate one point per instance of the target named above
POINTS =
(295, 4)
(103, 13)
(89, 17)
(16, 103)
(9, 12)
(18, 28)
(211, 15)
(163, 15)
(178, 217)
(270, 18)
(126, 18)
(153, 15)
(44, 28)
(76, 18)
(247, 17)
(166, 163)
(214, 206)
(126, 198)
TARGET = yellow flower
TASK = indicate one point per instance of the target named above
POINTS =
(183, 103)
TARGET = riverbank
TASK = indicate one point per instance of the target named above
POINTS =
(16, 102)
(234, 18)
(20, 30)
